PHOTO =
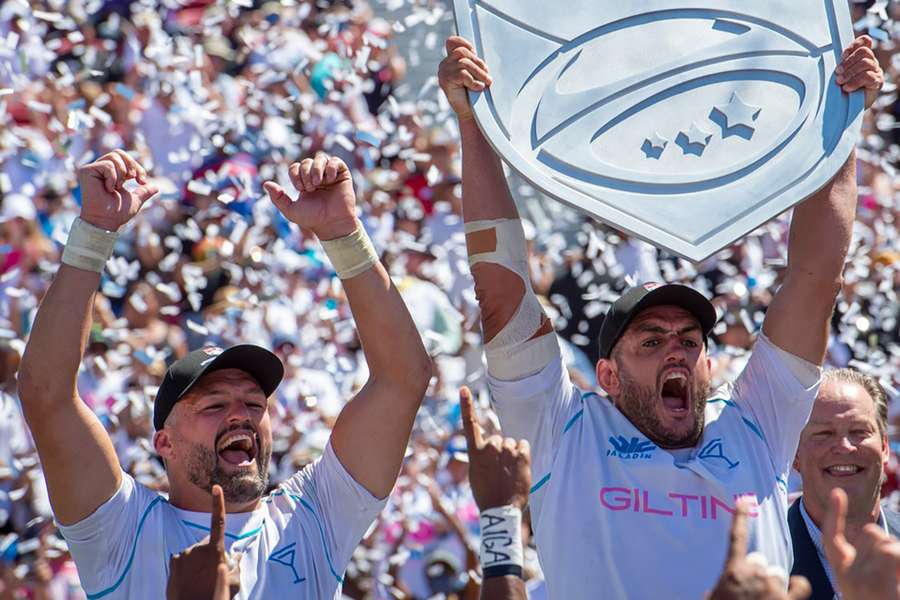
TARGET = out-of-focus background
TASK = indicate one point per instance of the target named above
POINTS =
(214, 98)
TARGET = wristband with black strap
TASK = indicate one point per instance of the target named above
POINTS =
(501, 542)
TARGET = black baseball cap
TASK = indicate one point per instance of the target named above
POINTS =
(642, 297)
(256, 361)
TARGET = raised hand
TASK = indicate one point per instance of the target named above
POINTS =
(194, 574)
(871, 569)
(41, 569)
(461, 71)
(747, 577)
(327, 202)
(105, 202)
(222, 590)
(859, 69)
(499, 469)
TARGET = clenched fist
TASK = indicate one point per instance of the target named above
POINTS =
(461, 71)
(327, 202)
(859, 70)
(105, 202)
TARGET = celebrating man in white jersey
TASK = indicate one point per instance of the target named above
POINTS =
(212, 420)
(633, 494)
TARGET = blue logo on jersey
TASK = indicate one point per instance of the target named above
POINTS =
(715, 449)
(633, 449)
(285, 557)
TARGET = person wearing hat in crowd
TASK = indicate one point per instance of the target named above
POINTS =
(634, 490)
(212, 420)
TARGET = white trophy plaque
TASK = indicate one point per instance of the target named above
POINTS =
(685, 124)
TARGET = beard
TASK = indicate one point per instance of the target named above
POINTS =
(205, 470)
(640, 404)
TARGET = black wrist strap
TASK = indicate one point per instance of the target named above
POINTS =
(502, 571)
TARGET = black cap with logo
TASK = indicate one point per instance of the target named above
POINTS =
(642, 297)
(256, 361)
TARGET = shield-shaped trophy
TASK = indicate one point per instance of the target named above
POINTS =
(686, 124)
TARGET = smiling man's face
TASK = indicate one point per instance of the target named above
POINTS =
(842, 446)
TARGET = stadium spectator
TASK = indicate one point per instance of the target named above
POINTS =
(844, 445)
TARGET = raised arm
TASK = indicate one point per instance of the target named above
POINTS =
(519, 347)
(500, 476)
(372, 431)
(77, 456)
(799, 316)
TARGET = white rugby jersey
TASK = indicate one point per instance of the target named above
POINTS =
(295, 545)
(617, 517)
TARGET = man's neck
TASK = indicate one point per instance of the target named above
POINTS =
(200, 501)
(854, 524)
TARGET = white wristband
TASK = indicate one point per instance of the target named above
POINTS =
(352, 254)
(501, 541)
(88, 246)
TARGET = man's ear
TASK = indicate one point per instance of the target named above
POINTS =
(796, 463)
(162, 443)
(608, 376)
(885, 449)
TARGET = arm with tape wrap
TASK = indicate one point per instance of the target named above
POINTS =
(518, 336)
(60, 422)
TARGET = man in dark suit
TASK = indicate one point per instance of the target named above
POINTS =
(844, 445)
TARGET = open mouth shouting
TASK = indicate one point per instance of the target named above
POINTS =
(238, 447)
(674, 391)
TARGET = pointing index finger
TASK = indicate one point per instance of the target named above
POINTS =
(217, 524)
(737, 541)
(471, 427)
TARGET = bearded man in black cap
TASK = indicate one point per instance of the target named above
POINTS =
(633, 493)
(212, 420)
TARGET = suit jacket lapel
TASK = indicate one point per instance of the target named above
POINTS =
(806, 558)
(893, 520)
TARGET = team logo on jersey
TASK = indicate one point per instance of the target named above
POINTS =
(285, 557)
(630, 449)
(715, 450)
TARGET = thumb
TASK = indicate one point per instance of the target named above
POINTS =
(471, 427)
(145, 192)
(278, 196)
(221, 590)
(799, 588)
(837, 549)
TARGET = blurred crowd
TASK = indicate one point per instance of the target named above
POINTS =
(215, 97)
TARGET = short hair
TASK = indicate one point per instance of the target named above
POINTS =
(866, 382)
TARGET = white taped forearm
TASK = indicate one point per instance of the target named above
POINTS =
(501, 552)
(511, 251)
(515, 352)
(352, 254)
(88, 246)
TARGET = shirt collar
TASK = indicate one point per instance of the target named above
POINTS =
(816, 536)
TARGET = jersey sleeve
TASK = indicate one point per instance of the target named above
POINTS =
(537, 409)
(778, 390)
(342, 508)
(102, 544)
